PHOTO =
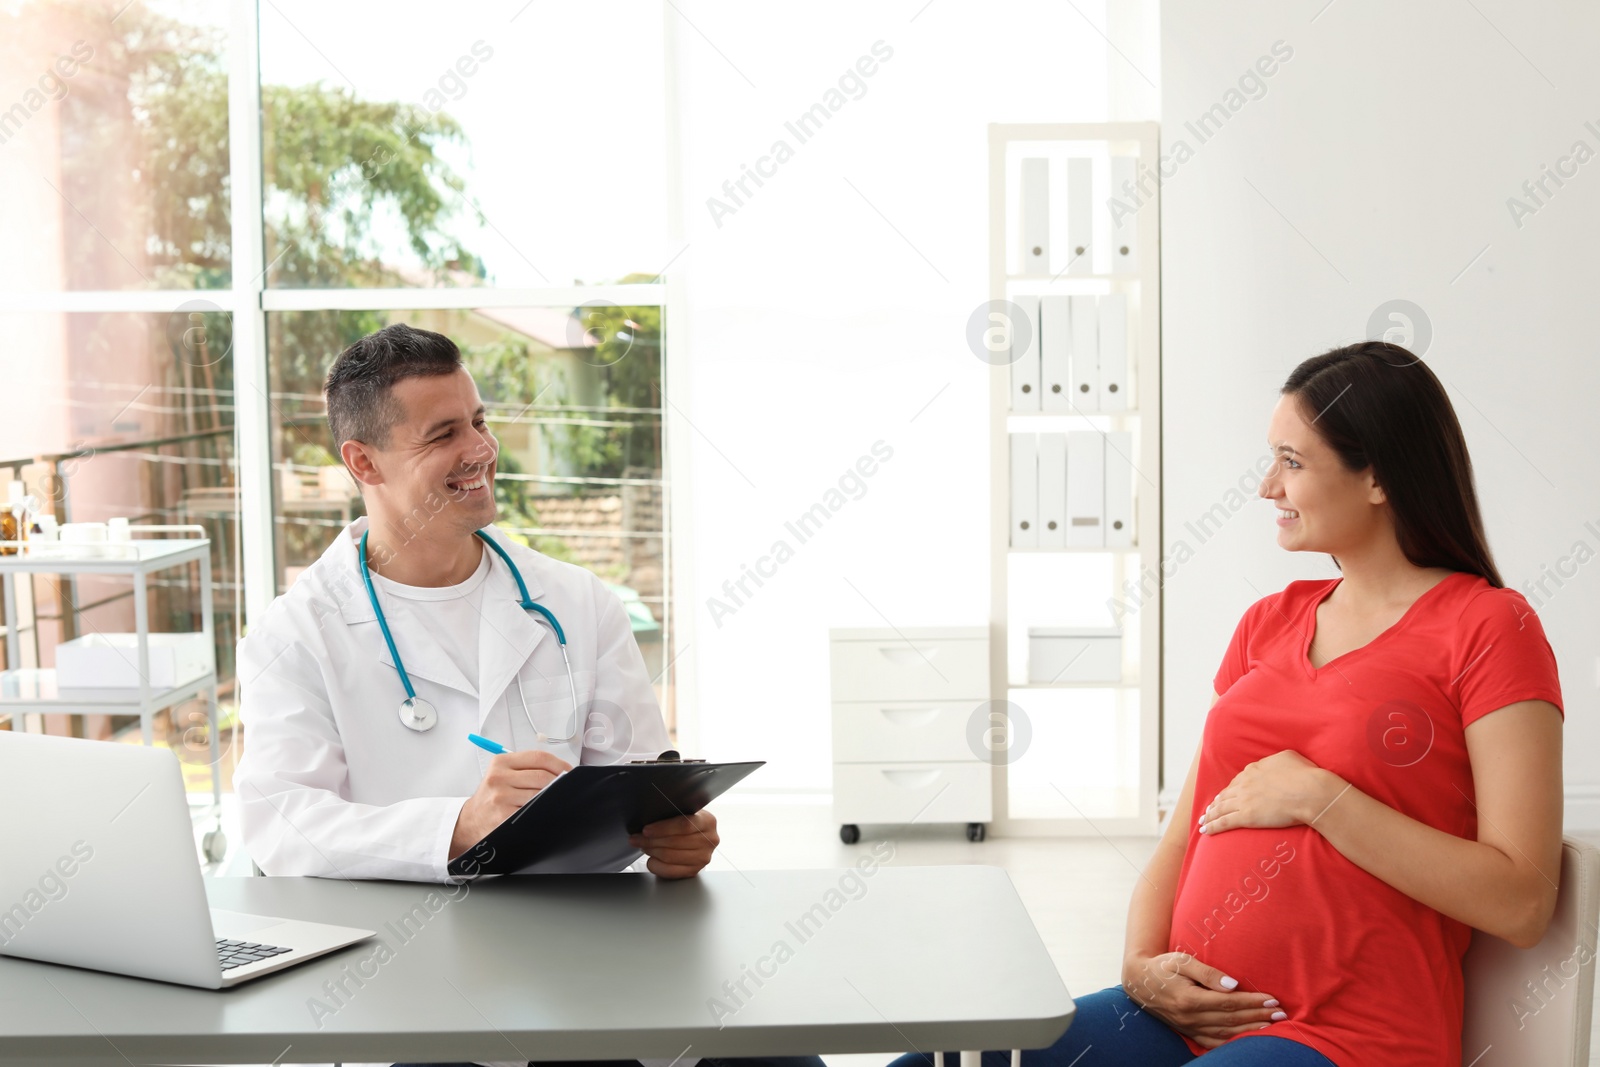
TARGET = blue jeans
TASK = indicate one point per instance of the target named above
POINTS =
(1110, 1030)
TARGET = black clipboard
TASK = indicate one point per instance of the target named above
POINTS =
(580, 822)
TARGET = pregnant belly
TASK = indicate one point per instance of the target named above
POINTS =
(1285, 914)
(1249, 899)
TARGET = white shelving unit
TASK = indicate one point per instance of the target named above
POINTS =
(28, 690)
(1103, 725)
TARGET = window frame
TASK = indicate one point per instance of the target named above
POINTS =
(248, 300)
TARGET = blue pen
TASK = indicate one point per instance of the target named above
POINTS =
(487, 745)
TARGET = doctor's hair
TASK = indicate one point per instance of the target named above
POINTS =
(1377, 405)
(361, 404)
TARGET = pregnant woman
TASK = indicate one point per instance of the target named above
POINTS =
(1379, 773)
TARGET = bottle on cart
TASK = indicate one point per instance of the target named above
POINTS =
(12, 521)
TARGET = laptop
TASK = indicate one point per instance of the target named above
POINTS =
(101, 872)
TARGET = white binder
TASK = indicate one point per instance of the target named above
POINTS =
(1036, 216)
(1086, 498)
(1052, 490)
(1055, 352)
(1025, 368)
(1080, 215)
(1024, 490)
(1114, 352)
(1119, 489)
(1124, 230)
(1085, 353)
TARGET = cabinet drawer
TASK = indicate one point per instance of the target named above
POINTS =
(891, 731)
(914, 669)
(912, 792)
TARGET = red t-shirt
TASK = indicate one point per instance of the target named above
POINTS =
(1366, 974)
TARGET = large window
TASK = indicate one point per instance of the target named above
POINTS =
(114, 146)
(462, 155)
(205, 200)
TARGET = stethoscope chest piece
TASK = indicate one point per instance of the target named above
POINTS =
(417, 714)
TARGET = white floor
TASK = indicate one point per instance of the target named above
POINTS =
(1076, 890)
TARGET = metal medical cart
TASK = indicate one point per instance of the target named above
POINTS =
(35, 690)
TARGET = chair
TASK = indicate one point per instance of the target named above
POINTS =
(1532, 1007)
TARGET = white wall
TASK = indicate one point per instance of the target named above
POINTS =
(828, 313)
(1377, 166)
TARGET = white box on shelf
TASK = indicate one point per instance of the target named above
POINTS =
(1077, 654)
(1025, 366)
(1036, 216)
(111, 661)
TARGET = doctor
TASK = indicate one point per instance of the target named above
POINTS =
(356, 763)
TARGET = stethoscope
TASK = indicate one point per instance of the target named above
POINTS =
(418, 714)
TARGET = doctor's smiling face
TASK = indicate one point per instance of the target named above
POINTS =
(410, 427)
(440, 456)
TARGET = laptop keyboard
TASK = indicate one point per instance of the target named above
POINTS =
(231, 954)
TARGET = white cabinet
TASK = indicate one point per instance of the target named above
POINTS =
(909, 727)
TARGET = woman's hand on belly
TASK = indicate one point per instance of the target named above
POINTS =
(1285, 789)
(1194, 999)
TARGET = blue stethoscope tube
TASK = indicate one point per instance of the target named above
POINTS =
(418, 714)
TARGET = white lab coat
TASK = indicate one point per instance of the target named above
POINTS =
(331, 783)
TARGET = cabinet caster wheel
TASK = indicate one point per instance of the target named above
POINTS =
(975, 831)
(849, 833)
(215, 845)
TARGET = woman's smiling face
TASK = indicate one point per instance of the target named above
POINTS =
(1322, 506)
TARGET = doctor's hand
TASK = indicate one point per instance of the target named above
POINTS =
(680, 847)
(512, 780)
